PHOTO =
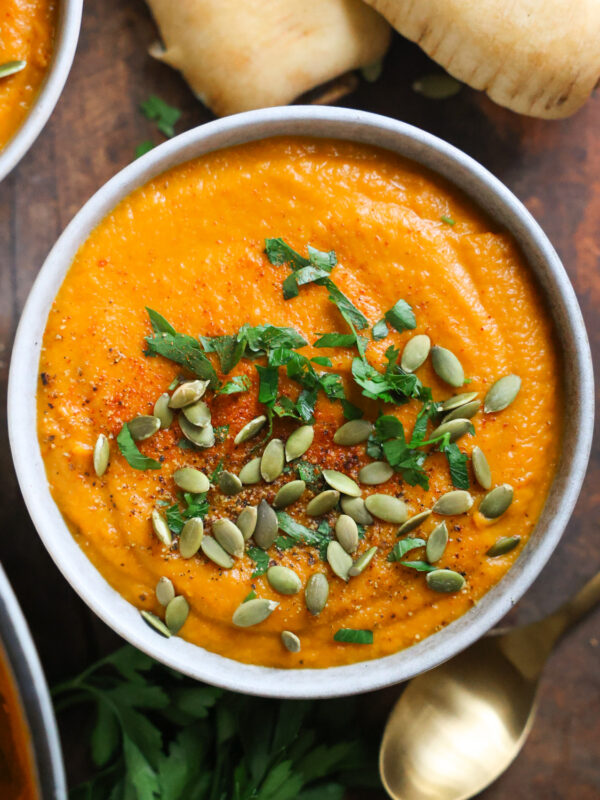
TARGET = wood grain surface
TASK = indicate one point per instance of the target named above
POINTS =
(553, 167)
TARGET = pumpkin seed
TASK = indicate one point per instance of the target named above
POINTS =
(11, 67)
(346, 531)
(272, 461)
(338, 559)
(436, 543)
(437, 86)
(229, 483)
(445, 580)
(197, 413)
(343, 484)
(455, 427)
(415, 352)
(387, 508)
(156, 623)
(501, 394)
(161, 529)
(457, 400)
(201, 437)
(267, 525)
(246, 521)
(495, 503)
(176, 613)
(165, 591)
(191, 480)
(503, 545)
(458, 501)
(101, 455)
(375, 473)
(229, 536)
(299, 442)
(253, 612)
(143, 427)
(284, 580)
(355, 508)
(162, 410)
(466, 411)
(213, 551)
(187, 393)
(291, 642)
(250, 429)
(191, 537)
(322, 503)
(481, 468)
(362, 562)
(316, 593)
(289, 493)
(447, 366)
(250, 472)
(353, 432)
(413, 522)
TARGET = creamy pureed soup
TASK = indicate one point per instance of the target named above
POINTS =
(336, 425)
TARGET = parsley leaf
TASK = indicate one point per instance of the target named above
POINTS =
(299, 533)
(239, 383)
(159, 323)
(404, 546)
(311, 474)
(354, 636)
(143, 148)
(457, 461)
(448, 220)
(406, 461)
(419, 566)
(336, 340)
(261, 560)
(269, 379)
(401, 317)
(183, 350)
(130, 452)
(228, 348)
(379, 330)
(165, 116)
(279, 252)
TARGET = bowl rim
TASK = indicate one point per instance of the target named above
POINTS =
(488, 192)
(65, 44)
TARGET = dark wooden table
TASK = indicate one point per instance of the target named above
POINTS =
(554, 167)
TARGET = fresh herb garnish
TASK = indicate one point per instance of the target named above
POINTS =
(165, 116)
(221, 432)
(196, 505)
(335, 340)
(401, 317)
(130, 452)
(239, 383)
(143, 148)
(250, 596)
(404, 546)
(269, 380)
(180, 348)
(419, 566)
(379, 330)
(261, 560)
(448, 220)
(457, 461)
(299, 533)
(311, 474)
(354, 636)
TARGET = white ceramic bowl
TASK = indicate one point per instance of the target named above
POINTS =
(65, 44)
(490, 195)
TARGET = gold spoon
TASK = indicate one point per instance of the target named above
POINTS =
(455, 729)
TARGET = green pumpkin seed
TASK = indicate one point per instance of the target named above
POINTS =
(322, 503)
(250, 429)
(447, 366)
(253, 612)
(457, 400)
(343, 484)
(503, 546)
(176, 613)
(165, 591)
(187, 393)
(353, 432)
(284, 580)
(415, 352)
(466, 411)
(162, 411)
(155, 622)
(267, 525)
(201, 437)
(291, 642)
(338, 559)
(197, 413)
(191, 480)
(101, 455)
(455, 427)
(289, 493)
(299, 442)
(375, 473)
(161, 529)
(346, 532)
(229, 536)
(355, 508)
(11, 67)
(495, 503)
(387, 508)
(316, 593)
(229, 483)
(501, 394)
(246, 521)
(481, 468)
(213, 551)
(457, 501)
(272, 461)
(436, 543)
(143, 427)
(445, 580)
(362, 562)
(191, 537)
(413, 522)
(250, 472)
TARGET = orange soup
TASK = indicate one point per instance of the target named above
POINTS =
(26, 35)
(318, 309)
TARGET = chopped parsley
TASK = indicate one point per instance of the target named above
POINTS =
(164, 115)
(401, 317)
(354, 636)
(404, 546)
(130, 452)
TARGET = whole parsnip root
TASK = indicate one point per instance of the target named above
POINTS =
(537, 57)
(242, 54)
